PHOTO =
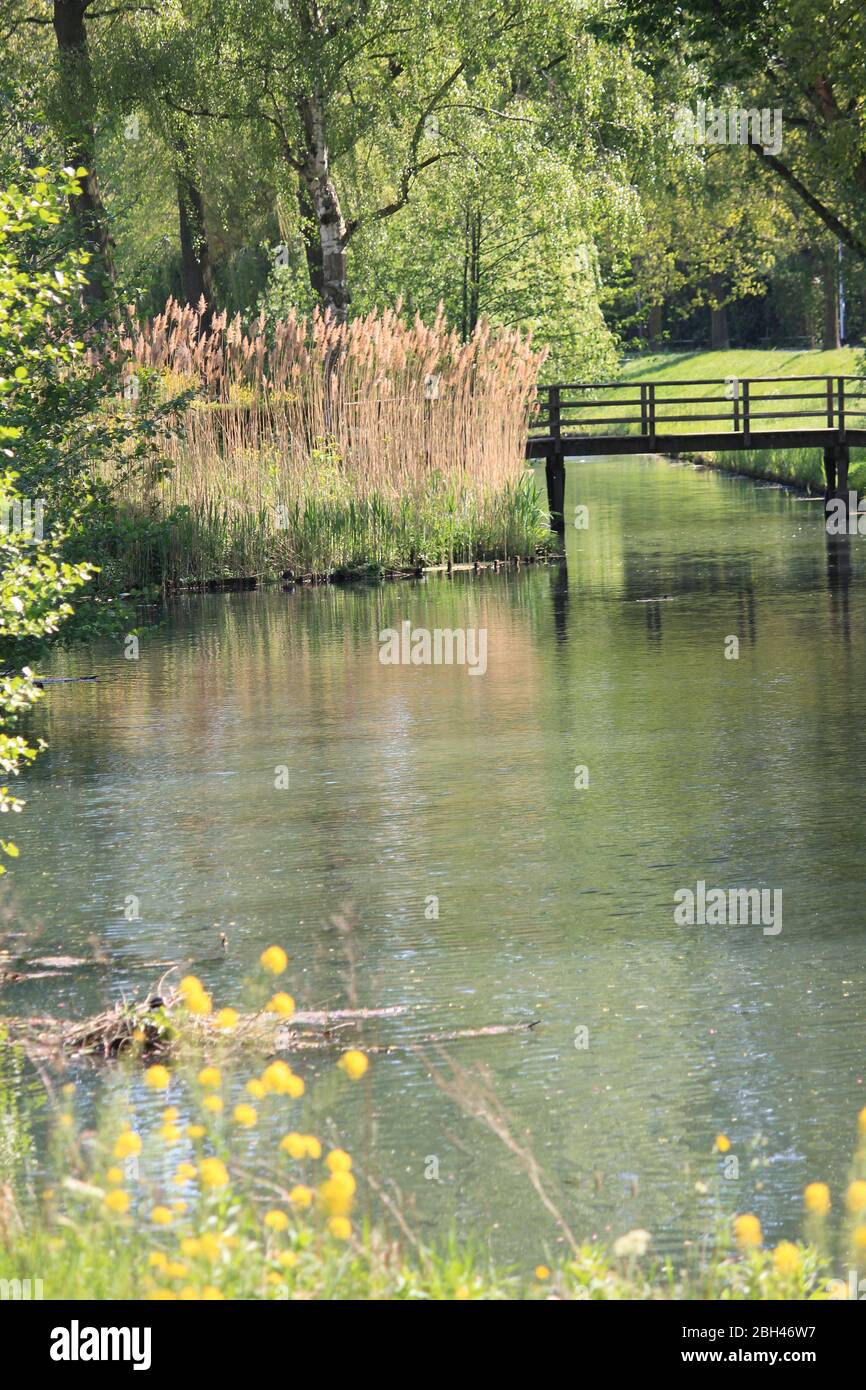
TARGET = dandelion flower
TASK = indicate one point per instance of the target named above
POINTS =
(301, 1196)
(157, 1259)
(860, 1238)
(861, 1121)
(340, 1227)
(256, 1088)
(184, 1172)
(157, 1078)
(226, 1019)
(276, 1220)
(354, 1064)
(337, 1193)
(190, 984)
(287, 1258)
(747, 1231)
(274, 960)
(301, 1146)
(213, 1103)
(245, 1115)
(191, 1247)
(816, 1198)
(542, 1272)
(277, 1076)
(210, 1078)
(786, 1258)
(211, 1294)
(195, 1131)
(117, 1201)
(161, 1216)
(176, 1269)
(170, 1133)
(723, 1143)
(114, 1176)
(200, 1004)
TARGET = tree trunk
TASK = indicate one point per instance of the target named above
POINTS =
(196, 268)
(654, 324)
(719, 335)
(78, 104)
(312, 242)
(830, 299)
(324, 200)
(471, 273)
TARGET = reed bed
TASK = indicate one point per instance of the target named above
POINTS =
(318, 447)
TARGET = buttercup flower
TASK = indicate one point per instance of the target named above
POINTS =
(816, 1198)
(354, 1064)
(212, 1172)
(747, 1231)
(786, 1258)
(274, 959)
(282, 1004)
(157, 1078)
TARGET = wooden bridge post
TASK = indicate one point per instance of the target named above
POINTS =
(554, 464)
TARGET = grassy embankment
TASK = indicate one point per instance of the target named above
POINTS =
(801, 467)
(329, 450)
(193, 1199)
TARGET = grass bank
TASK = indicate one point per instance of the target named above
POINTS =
(177, 1188)
(325, 449)
(798, 467)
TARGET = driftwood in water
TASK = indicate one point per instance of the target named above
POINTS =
(158, 1026)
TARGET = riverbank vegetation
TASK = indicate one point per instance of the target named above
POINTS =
(175, 1188)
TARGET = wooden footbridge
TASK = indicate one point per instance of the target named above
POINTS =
(592, 419)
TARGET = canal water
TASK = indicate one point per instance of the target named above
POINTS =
(437, 847)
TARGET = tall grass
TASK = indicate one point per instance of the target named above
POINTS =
(314, 446)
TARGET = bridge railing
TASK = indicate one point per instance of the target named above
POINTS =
(565, 409)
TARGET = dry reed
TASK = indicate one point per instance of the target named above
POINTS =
(314, 445)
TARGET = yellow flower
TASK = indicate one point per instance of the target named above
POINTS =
(189, 1294)
(295, 1088)
(209, 1245)
(245, 1115)
(274, 959)
(191, 1247)
(68, 1089)
(301, 1196)
(210, 1078)
(256, 1088)
(462, 1293)
(855, 1197)
(157, 1078)
(354, 1064)
(171, 1112)
(170, 1133)
(161, 1295)
(336, 1194)
(282, 1004)
(190, 984)
(65, 1121)
(195, 1131)
(161, 1216)
(723, 1143)
(340, 1227)
(542, 1272)
(213, 1103)
(276, 1220)
(747, 1231)
(176, 1269)
(860, 1238)
(277, 1076)
(226, 1018)
(301, 1146)
(114, 1175)
(287, 1258)
(211, 1294)
(127, 1144)
(157, 1259)
(273, 1278)
(117, 1201)
(184, 1172)
(861, 1121)
(816, 1198)
(179, 1206)
(212, 1172)
(338, 1161)
(786, 1258)
(200, 1004)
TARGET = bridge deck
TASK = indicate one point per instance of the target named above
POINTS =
(586, 445)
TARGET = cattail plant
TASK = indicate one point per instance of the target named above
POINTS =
(318, 445)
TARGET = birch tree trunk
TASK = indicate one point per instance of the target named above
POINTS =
(324, 202)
